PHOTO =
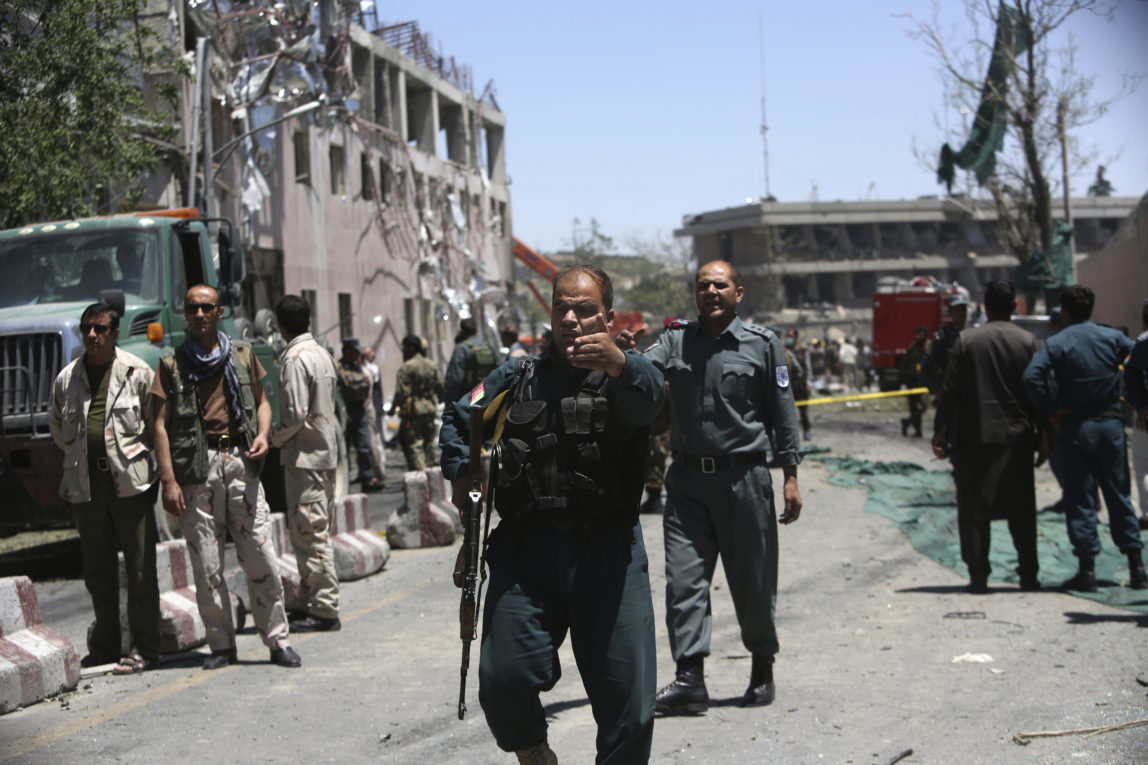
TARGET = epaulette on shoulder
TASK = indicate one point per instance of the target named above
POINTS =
(679, 324)
(765, 332)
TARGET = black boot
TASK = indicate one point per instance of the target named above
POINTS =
(760, 691)
(1139, 577)
(686, 695)
(653, 503)
(978, 584)
(1085, 579)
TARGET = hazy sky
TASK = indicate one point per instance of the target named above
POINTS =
(637, 113)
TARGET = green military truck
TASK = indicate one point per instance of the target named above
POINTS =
(49, 273)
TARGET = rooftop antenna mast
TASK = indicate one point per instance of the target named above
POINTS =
(764, 124)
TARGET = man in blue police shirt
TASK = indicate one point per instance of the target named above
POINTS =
(731, 397)
(1085, 358)
(567, 556)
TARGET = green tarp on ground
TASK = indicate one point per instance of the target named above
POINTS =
(923, 504)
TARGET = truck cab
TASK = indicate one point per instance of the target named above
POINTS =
(49, 273)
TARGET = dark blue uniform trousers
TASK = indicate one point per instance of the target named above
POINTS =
(596, 585)
(1093, 452)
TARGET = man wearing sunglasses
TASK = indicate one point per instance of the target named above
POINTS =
(99, 403)
(211, 426)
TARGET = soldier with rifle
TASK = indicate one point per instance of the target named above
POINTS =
(570, 430)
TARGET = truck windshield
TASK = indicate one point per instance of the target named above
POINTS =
(73, 266)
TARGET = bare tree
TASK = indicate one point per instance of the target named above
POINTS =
(1045, 99)
(668, 291)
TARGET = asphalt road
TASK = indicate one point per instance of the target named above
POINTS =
(869, 630)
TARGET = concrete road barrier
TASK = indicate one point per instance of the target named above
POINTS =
(35, 662)
(180, 627)
(359, 551)
(440, 494)
(285, 560)
(419, 522)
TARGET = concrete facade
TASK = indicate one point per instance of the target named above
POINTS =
(802, 254)
(385, 202)
(1118, 273)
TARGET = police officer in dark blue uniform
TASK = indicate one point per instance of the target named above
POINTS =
(567, 556)
(731, 398)
(1085, 358)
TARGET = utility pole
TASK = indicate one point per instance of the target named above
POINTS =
(764, 124)
(1061, 108)
(197, 98)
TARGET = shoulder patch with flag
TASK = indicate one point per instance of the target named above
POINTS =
(477, 394)
(782, 376)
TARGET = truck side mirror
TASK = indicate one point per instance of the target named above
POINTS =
(232, 268)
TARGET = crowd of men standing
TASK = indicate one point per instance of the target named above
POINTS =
(1006, 401)
(195, 431)
(569, 430)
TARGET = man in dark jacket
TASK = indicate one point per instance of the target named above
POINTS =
(983, 389)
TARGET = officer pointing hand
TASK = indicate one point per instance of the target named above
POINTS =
(594, 348)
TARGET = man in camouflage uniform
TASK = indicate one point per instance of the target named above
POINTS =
(470, 363)
(910, 373)
(355, 386)
(211, 426)
(417, 394)
(659, 454)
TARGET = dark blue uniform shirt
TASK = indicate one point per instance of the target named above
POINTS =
(1086, 359)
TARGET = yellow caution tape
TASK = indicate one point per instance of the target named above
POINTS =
(862, 396)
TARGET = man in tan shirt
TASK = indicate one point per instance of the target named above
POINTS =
(306, 436)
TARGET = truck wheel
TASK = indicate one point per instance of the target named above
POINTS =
(264, 323)
(245, 329)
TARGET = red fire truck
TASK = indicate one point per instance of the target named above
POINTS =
(899, 307)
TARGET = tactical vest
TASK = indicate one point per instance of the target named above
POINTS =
(187, 433)
(355, 384)
(571, 467)
(480, 361)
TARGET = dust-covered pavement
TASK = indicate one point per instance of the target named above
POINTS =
(869, 629)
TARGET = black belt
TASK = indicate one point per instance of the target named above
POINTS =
(1088, 414)
(220, 442)
(714, 464)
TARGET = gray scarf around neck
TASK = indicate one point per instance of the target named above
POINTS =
(202, 365)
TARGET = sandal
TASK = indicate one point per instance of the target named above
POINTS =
(132, 665)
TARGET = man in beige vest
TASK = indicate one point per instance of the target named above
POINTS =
(99, 420)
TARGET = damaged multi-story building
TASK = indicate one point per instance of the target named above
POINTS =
(361, 167)
(795, 256)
